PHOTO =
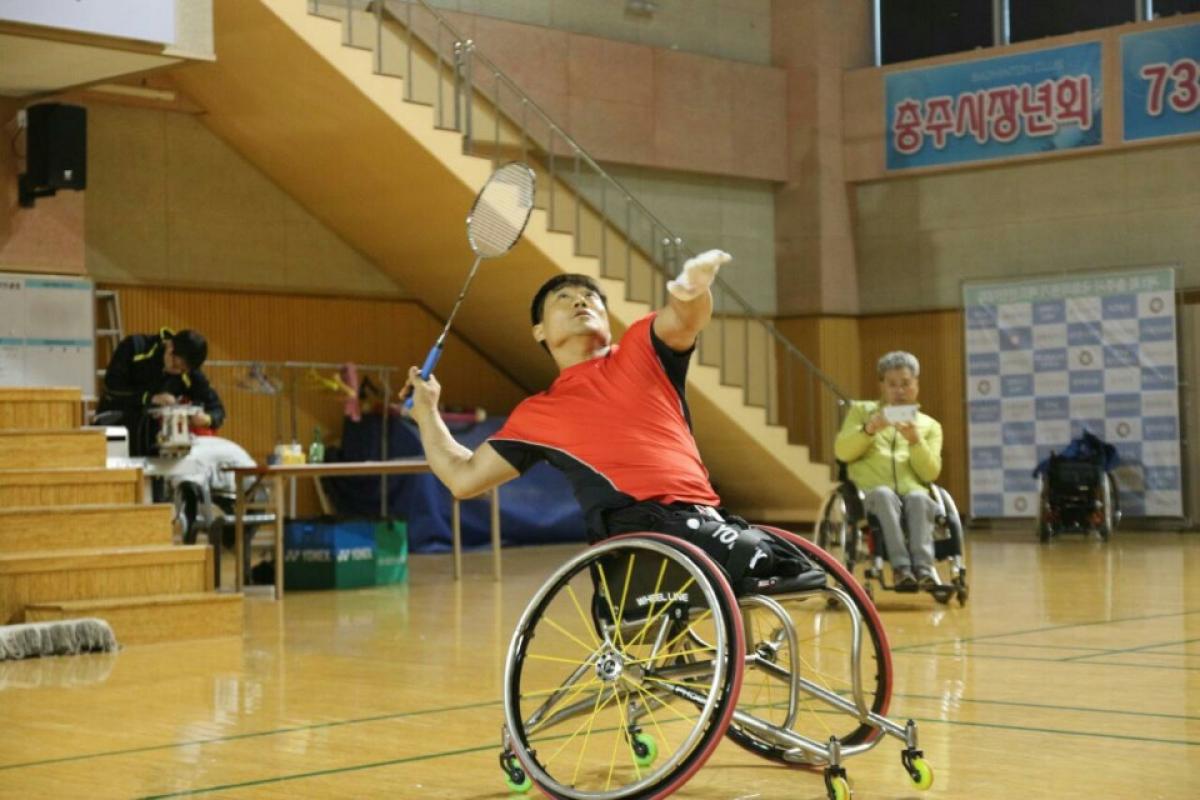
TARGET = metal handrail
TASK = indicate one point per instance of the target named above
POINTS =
(665, 249)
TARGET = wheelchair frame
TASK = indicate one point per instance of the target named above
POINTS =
(687, 641)
(849, 536)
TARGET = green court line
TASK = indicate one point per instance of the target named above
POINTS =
(255, 735)
(960, 640)
(321, 772)
(1050, 707)
(496, 745)
(1040, 646)
(1136, 649)
(989, 657)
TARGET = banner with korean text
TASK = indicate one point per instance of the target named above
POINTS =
(994, 108)
(1160, 72)
(1049, 358)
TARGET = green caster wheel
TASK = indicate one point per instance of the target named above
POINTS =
(645, 749)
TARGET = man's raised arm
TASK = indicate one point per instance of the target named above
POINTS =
(466, 473)
(689, 307)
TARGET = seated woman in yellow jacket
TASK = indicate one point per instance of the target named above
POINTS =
(893, 464)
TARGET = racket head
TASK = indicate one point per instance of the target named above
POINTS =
(501, 210)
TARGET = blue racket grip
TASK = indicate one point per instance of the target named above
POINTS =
(431, 360)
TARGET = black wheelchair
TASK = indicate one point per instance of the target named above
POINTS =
(1078, 495)
(636, 658)
(845, 530)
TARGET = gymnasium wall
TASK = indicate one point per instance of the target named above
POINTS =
(919, 233)
(733, 29)
(169, 203)
(918, 238)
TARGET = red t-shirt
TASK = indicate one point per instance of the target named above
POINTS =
(617, 425)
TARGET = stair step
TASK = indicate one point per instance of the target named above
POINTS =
(152, 618)
(26, 530)
(53, 575)
(49, 449)
(32, 408)
(69, 487)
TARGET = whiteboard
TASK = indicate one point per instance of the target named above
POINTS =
(47, 331)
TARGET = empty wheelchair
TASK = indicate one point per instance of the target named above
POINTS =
(854, 537)
(1077, 495)
(635, 658)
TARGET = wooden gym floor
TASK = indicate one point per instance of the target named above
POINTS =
(1073, 671)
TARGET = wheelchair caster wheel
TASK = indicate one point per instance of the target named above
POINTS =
(645, 749)
(516, 779)
(963, 594)
(943, 594)
(837, 787)
(919, 771)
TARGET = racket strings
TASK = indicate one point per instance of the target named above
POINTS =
(501, 211)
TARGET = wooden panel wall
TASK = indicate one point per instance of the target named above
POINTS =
(278, 327)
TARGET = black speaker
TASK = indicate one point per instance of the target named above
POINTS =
(55, 151)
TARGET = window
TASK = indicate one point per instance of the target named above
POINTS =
(912, 29)
(1034, 19)
(1165, 8)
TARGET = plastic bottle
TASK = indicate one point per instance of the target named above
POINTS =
(316, 450)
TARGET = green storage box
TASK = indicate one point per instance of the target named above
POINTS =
(328, 554)
(391, 551)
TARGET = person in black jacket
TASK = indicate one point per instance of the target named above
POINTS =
(160, 369)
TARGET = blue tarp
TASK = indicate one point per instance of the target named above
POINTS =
(537, 508)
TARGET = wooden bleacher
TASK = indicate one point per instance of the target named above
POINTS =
(77, 540)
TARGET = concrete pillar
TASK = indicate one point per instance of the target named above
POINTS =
(816, 41)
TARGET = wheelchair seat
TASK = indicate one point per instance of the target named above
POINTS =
(846, 530)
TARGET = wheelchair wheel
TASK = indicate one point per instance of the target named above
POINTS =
(822, 656)
(836, 534)
(624, 670)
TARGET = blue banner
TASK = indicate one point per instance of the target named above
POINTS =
(994, 108)
(1160, 72)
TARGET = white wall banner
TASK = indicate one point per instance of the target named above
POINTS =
(146, 20)
(47, 331)
(1048, 358)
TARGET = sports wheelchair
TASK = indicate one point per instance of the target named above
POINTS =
(846, 531)
(1077, 494)
(635, 658)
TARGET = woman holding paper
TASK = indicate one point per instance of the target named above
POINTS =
(893, 453)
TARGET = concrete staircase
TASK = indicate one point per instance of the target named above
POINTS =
(320, 104)
(76, 539)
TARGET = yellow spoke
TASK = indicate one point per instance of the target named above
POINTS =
(591, 648)
(670, 654)
(587, 736)
(548, 692)
(625, 591)
(556, 659)
(650, 620)
(637, 770)
(667, 706)
(612, 757)
(691, 624)
(587, 623)
(646, 697)
(650, 617)
(563, 701)
(608, 599)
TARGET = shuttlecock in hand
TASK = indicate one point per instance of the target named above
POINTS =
(698, 274)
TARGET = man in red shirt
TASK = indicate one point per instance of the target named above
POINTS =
(616, 422)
